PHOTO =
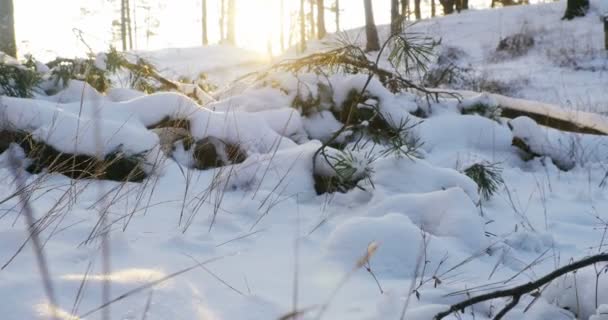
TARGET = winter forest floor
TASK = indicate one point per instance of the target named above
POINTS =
(253, 236)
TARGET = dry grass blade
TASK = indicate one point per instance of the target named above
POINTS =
(147, 286)
(370, 251)
(17, 170)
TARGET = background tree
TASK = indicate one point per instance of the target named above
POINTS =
(282, 21)
(311, 19)
(302, 27)
(8, 44)
(321, 31)
(123, 24)
(126, 28)
(222, 21)
(448, 6)
(129, 25)
(396, 18)
(405, 8)
(337, 11)
(576, 8)
(231, 23)
(373, 44)
(417, 13)
(204, 22)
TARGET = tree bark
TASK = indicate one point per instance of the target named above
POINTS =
(8, 44)
(417, 10)
(373, 44)
(204, 22)
(302, 27)
(129, 26)
(405, 8)
(282, 21)
(321, 31)
(337, 15)
(231, 26)
(313, 33)
(222, 20)
(576, 8)
(448, 6)
(605, 19)
(396, 17)
(123, 24)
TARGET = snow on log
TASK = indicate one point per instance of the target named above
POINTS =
(544, 114)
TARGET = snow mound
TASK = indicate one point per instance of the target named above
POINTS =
(400, 244)
(601, 313)
(580, 294)
(418, 176)
(61, 127)
(449, 213)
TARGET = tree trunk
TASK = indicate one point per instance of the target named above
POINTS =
(321, 32)
(417, 10)
(576, 8)
(222, 20)
(282, 20)
(129, 27)
(8, 44)
(433, 8)
(123, 24)
(405, 9)
(605, 19)
(337, 15)
(135, 23)
(396, 18)
(465, 4)
(204, 23)
(373, 44)
(231, 26)
(302, 27)
(313, 32)
(448, 6)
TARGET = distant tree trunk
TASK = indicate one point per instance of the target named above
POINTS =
(321, 31)
(337, 15)
(204, 23)
(576, 8)
(135, 23)
(313, 31)
(302, 27)
(465, 4)
(231, 26)
(129, 27)
(373, 44)
(433, 8)
(405, 9)
(8, 44)
(448, 6)
(396, 18)
(123, 24)
(222, 20)
(605, 19)
(417, 10)
(282, 20)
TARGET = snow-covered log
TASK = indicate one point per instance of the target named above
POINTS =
(543, 113)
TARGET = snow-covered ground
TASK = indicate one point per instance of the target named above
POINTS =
(263, 243)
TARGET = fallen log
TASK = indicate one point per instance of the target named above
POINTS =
(545, 114)
(115, 166)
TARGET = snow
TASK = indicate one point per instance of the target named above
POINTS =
(269, 241)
